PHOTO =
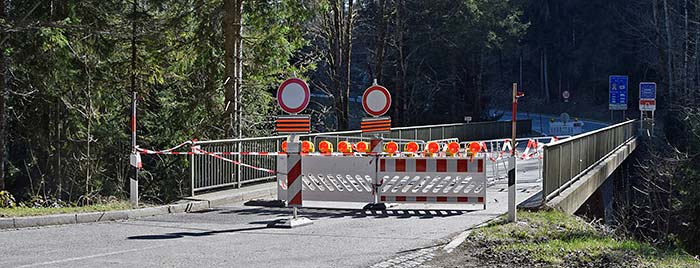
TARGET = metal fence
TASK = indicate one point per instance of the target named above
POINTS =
(210, 173)
(567, 159)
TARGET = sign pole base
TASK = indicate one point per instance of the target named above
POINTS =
(295, 221)
(134, 192)
(374, 206)
(511, 190)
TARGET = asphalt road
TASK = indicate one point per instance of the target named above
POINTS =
(235, 235)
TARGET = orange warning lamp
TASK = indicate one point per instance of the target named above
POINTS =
(474, 147)
(362, 147)
(411, 147)
(391, 147)
(325, 147)
(452, 148)
(433, 148)
(343, 147)
(284, 146)
(307, 147)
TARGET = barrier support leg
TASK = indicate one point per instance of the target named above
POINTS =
(377, 144)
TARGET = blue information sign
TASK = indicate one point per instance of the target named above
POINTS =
(618, 92)
(647, 90)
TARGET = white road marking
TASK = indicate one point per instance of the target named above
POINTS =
(86, 257)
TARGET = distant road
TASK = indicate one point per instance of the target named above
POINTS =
(540, 122)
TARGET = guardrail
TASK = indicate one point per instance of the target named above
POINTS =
(209, 173)
(566, 160)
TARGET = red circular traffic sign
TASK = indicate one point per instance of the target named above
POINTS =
(376, 100)
(293, 95)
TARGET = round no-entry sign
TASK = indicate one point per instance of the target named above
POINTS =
(293, 95)
(376, 100)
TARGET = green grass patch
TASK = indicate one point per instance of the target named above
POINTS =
(554, 238)
(31, 211)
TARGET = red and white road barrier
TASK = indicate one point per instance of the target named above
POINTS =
(432, 165)
(432, 180)
(432, 199)
(531, 144)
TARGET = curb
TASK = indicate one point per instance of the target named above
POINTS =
(91, 217)
(262, 192)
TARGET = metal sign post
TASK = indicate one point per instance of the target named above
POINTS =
(512, 165)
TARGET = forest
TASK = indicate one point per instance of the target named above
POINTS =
(208, 69)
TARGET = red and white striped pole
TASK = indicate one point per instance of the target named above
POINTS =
(136, 157)
(294, 183)
(294, 180)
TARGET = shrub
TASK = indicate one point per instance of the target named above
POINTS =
(7, 200)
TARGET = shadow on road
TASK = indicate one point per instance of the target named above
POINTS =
(195, 234)
(320, 213)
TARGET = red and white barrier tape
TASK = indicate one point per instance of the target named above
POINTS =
(233, 161)
(250, 153)
(166, 151)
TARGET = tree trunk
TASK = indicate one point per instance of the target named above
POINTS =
(400, 111)
(3, 122)
(669, 42)
(233, 13)
(345, 123)
(546, 78)
(696, 56)
(381, 41)
(239, 68)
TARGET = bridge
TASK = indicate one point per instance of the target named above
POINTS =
(562, 174)
(568, 171)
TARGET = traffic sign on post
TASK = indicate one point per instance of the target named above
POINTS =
(566, 95)
(647, 96)
(618, 92)
(293, 95)
(376, 100)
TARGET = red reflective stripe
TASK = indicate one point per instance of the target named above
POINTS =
(383, 198)
(441, 165)
(420, 165)
(401, 198)
(481, 165)
(441, 199)
(382, 165)
(421, 199)
(400, 165)
(481, 200)
(462, 199)
(294, 173)
(374, 123)
(296, 200)
(462, 165)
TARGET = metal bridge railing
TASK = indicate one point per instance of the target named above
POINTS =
(567, 159)
(211, 173)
